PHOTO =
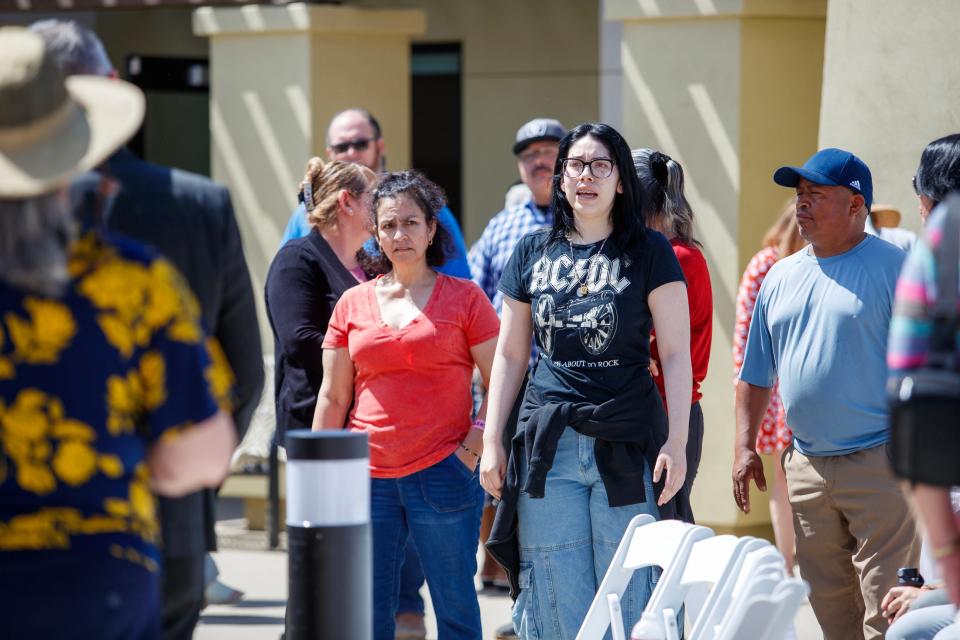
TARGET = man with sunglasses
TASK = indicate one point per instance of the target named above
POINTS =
(354, 136)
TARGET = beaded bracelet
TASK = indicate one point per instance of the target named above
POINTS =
(469, 450)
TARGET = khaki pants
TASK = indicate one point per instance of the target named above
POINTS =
(854, 530)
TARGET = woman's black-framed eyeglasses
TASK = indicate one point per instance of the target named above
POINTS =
(600, 168)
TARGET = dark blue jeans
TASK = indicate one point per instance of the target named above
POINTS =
(411, 579)
(438, 509)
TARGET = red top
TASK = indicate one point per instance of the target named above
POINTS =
(700, 298)
(412, 385)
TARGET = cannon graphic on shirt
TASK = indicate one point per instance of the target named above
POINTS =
(594, 317)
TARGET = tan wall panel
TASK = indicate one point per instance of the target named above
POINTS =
(682, 96)
(889, 87)
(782, 68)
(151, 32)
(341, 63)
(277, 76)
(521, 60)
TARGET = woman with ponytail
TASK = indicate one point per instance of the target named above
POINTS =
(670, 214)
(308, 276)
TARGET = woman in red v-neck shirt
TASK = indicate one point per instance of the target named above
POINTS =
(400, 350)
(671, 215)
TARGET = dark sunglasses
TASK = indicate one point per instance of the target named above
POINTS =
(360, 144)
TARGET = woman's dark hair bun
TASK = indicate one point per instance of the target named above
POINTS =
(658, 166)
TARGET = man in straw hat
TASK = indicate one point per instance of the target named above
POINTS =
(108, 391)
(190, 220)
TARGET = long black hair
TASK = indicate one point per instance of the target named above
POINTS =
(627, 213)
(939, 170)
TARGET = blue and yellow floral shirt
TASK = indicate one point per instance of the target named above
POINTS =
(87, 382)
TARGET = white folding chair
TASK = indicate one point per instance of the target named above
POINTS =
(759, 567)
(713, 564)
(765, 616)
(645, 543)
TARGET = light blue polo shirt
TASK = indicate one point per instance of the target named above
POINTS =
(820, 325)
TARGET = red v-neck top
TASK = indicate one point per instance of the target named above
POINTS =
(412, 385)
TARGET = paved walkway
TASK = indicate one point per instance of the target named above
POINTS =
(262, 575)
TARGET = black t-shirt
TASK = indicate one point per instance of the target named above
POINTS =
(590, 315)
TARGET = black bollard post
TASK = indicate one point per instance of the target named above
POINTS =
(330, 592)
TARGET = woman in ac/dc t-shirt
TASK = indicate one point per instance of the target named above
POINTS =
(590, 290)
(401, 349)
(662, 178)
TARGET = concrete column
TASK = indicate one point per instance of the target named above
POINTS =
(731, 89)
(277, 76)
(889, 88)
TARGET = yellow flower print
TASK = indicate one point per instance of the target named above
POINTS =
(110, 465)
(6, 366)
(32, 426)
(219, 375)
(69, 429)
(123, 403)
(119, 333)
(117, 285)
(40, 339)
(26, 417)
(172, 302)
(85, 252)
(75, 462)
(35, 477)
(143, 506)
(153, 379)
(164, 303)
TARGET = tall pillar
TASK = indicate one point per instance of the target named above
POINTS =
(889, 88)
(277, 76)
(731, 89)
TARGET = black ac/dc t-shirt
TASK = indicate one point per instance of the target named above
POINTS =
(591, 320)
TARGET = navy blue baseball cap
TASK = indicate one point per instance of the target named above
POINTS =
(831, 167)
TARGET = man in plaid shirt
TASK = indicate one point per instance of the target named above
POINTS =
(536, 152)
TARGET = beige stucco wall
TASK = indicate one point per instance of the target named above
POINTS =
(277, 75)
(520, 60)
(715, 86)
(889, 87)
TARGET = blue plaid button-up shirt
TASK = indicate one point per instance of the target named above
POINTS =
(489, 255)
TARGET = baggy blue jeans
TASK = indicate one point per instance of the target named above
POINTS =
(438, 509)
(567, 540)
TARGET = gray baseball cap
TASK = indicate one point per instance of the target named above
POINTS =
(536, 130)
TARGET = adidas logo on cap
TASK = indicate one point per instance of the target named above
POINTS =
(855, 184)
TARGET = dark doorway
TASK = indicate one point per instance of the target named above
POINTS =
(176, 128)
(435, 70)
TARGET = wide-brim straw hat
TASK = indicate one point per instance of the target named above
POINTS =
(51, 128)
(885, 215)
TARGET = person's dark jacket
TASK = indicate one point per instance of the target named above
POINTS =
(189, 219)
(629, 429)
(304, 282)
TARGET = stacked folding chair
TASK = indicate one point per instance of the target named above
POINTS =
(730, 587)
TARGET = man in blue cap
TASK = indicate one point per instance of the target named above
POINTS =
(820, 325)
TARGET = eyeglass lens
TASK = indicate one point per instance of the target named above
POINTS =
(359, 145)
(599, 167)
